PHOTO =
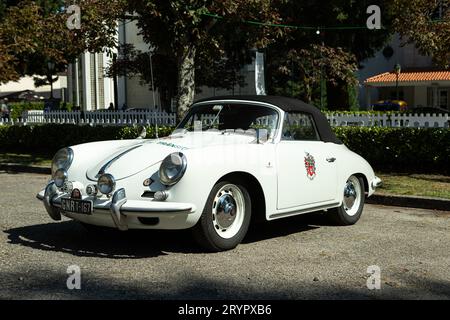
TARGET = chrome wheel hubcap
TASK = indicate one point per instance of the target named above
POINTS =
(228, 211)
(225, 211)
(352, 196)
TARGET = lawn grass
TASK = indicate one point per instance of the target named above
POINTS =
(25, 159)
(425, 185)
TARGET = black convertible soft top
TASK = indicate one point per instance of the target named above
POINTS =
(290, 104)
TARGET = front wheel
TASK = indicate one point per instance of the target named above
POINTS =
(352, 204)
(225, 218)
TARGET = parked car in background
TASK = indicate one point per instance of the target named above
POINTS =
(390, 105)
(230, 161)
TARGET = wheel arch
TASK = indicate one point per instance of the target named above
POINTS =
(365, 181)
(255, 190)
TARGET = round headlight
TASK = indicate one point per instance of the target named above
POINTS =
(106, 184)
(60, 177)
(62, 160)
(172, 168)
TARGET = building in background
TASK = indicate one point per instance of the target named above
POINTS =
(26, 85)
(136, 95)
(420, 84)
(87, 86)
(91, 90)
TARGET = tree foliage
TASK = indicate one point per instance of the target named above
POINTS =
(328, 45)
(427, 24)
(185, 33)
(304, 69)
(33, 33)
(206, 42)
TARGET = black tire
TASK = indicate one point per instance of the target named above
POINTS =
(339, 216)
(205, 232)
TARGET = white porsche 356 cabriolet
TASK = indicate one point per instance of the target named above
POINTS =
(230, 160)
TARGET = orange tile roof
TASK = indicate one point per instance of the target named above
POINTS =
(411, 76)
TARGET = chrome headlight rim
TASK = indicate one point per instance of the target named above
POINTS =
(111, 183)
(164, 178)
(63, 163)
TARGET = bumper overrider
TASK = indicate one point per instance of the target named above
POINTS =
(376, 183)
(119, 206)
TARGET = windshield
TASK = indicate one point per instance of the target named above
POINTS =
(230, 117)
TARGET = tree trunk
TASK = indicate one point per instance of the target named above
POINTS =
(186, 80)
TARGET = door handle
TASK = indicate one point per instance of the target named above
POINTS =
(331, 160)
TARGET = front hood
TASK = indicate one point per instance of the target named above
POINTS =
(127, 160)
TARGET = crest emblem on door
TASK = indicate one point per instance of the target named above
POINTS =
(310, 165)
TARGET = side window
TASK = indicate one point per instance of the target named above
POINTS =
(299, 127)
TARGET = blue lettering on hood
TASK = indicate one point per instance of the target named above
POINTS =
(172, 145)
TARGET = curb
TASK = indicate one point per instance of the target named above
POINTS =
(18, 168)
(410, 202)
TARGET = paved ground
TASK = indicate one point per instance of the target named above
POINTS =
(299, 258)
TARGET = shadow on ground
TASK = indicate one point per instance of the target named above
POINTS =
(46, 284)
(70, 237)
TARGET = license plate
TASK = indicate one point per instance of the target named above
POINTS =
(76, 206)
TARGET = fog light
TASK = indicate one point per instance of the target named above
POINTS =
(60, 177)
(91, 190)
(161, 195)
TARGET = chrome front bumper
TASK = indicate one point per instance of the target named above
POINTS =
(119, 207)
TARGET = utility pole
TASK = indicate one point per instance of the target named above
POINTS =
(397, 70)
(322, 102)
(51, 69)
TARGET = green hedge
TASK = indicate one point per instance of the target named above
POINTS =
(400, 149)
(18, 107)
(386, 149)
(47, 139)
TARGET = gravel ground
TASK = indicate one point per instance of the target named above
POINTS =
(297, 258)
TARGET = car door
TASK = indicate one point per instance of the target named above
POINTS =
(306, 166)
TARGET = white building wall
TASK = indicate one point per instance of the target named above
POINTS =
(83, 81)
(108, 82)
(27, 83)
(140, 96)
(131, 91)
(406, 55)
(86, 81)
(420, 96)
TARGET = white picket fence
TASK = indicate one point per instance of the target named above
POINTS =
(95, 118)
(390, 120)
(162, 118)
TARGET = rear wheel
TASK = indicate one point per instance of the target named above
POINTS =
(225, 218)
(352, 204)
